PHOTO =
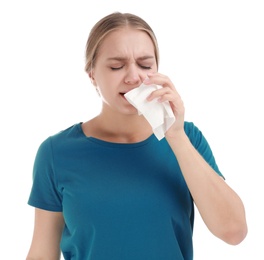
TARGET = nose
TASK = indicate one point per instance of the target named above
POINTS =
(133, 75)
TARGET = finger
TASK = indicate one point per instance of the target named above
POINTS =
(158, 93)
(158, 79)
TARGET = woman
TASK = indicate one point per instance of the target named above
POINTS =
(107, 188)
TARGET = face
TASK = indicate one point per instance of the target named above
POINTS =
(123, 61)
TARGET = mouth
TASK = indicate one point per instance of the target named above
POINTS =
(122, 94)
(126, 91)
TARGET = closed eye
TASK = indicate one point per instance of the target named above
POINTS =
(116, 68)
(141, 66)
(145, 67)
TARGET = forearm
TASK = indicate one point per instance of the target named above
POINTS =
(41, 255)
(46, 236)
(41, 258)
(220, 207)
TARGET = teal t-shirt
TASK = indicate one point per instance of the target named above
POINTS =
(119, 201)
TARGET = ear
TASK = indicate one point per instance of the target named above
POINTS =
(91, 76)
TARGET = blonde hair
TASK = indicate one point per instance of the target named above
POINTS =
(108, 24)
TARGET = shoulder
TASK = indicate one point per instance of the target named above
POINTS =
(72, 132)
(62, 138)
(194, 134)
(191, 129)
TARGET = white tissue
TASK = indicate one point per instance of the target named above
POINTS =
(158, 114)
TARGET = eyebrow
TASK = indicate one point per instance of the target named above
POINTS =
(119, 58)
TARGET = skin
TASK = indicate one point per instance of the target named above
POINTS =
(125, 60)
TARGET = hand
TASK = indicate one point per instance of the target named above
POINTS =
(168, 93)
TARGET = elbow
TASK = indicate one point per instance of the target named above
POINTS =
(235, 235)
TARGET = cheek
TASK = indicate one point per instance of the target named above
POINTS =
(104, 78)
(106, 89)
(108, 82)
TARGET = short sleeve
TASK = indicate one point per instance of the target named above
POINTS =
(44, 192)
(201, 145)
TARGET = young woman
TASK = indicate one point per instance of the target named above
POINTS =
(108, 188)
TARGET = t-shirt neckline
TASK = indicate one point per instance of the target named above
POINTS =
(114, 144)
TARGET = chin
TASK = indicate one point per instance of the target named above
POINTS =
(130, 110)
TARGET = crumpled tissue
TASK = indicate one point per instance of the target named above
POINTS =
(158, 114)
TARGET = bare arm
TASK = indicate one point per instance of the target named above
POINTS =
(46, 236)
(220, 207)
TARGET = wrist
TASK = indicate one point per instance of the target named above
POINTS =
(176, 135)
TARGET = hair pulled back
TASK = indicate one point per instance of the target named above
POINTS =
(108, 24)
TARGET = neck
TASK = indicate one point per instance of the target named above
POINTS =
(118, 128)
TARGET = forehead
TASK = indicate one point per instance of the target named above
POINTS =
(127, 41)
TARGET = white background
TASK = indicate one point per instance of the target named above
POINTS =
(213, 52)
